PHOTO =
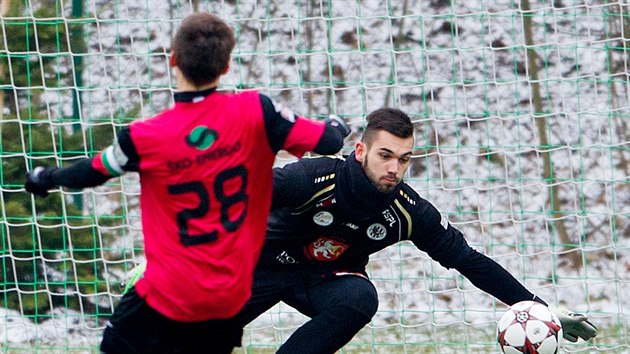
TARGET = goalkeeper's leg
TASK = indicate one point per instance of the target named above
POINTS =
(339, 308)
(268, 289)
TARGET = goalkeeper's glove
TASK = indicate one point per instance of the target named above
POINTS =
(338, 123)
(39, 181)
(574, 325)
(134, 275)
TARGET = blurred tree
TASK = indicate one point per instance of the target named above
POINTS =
(51, 252)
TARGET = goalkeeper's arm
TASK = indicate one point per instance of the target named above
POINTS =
(490, 277)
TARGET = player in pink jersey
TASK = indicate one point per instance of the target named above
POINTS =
(205, 176)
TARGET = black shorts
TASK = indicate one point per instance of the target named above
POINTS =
(135, 327)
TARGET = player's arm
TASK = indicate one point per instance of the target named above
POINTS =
(298, 134)
(291, 185)
(114, 161)
(492, 278)
(449, 247)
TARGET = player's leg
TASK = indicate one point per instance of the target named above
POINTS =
(213, 336)
(269, 289)
(339, 308)
(135, 328)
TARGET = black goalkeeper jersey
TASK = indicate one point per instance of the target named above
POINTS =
(327, 215)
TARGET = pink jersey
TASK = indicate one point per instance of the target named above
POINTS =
(206, 181)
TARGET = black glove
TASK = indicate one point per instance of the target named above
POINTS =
(39, 181)
(338, 123)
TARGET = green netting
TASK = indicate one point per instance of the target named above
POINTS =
(521, 111)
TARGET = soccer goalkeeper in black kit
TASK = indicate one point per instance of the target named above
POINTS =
(330, 214)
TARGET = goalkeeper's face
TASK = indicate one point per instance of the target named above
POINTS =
(385, 160)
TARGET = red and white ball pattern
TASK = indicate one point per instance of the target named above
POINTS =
(529, 327)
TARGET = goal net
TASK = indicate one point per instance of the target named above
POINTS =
(521, 110)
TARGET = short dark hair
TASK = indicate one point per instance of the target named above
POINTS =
(202, 47)
(391, 120)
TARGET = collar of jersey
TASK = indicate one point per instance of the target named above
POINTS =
(193, 96)
(355, 189)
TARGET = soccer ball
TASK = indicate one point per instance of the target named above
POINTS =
(529, 327)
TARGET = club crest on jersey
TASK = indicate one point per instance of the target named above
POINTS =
(201, 137)
(323, 218)
(326, 249)
(376, 232)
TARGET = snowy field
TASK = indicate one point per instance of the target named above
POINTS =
(461, 71)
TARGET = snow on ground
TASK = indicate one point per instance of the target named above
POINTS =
(479, 158)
